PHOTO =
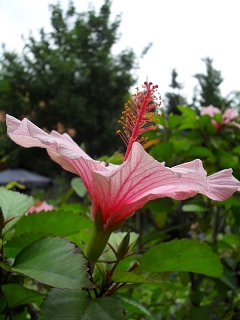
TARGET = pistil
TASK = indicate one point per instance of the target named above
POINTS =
(137, 116)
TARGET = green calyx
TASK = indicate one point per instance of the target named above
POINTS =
(99, 238)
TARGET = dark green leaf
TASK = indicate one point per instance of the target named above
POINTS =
(53, 261)
(76, 305)
(57, 223)
(133, 305)
(131, 277)
(199, 313)
(181, 255)
(16, 244)
(17, 295)
(237, 150)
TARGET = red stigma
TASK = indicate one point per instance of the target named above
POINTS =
(137, 116)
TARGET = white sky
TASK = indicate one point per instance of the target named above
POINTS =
(182, 32)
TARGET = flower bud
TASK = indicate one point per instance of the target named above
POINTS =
(123, 246)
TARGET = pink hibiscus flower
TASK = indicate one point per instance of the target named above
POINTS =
(227, 116)
(40, 206)
(117, 191)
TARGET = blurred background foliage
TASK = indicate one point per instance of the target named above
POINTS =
(69, 80)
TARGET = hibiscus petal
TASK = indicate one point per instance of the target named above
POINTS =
(60, 147)
(229, 114)
(140, 179)
(210, 111)
(222, 185)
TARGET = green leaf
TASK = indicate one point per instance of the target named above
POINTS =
(160, 209)
(14, 205)
(117, 237)
(2, 303)
(190, 118)
(114, 240)
(53, 261)
(227, 161)
(180, 145)
(58, 223)
(237, 150)
(162, 151)
(16, 244)
(218, 117)
(79, 187)
(76, 304)
(174, 121)
(181, 255)
(133, 305)
(5, 267)
(204, 121)
(17, 295)
(188, 123)
(231, 239)
(187, 111)
(216, 141)
(75, 207)
(120, 276)
(200, 152)
(160, 205)
(199, 313)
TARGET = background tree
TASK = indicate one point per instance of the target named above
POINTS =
(174, 99)
(234, 99)
(68, 79)
(208, 90)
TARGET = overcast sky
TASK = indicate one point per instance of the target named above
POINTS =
(182, 32)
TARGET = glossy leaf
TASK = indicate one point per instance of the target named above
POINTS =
(53, 261)
(181, 255)
(76, 304)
